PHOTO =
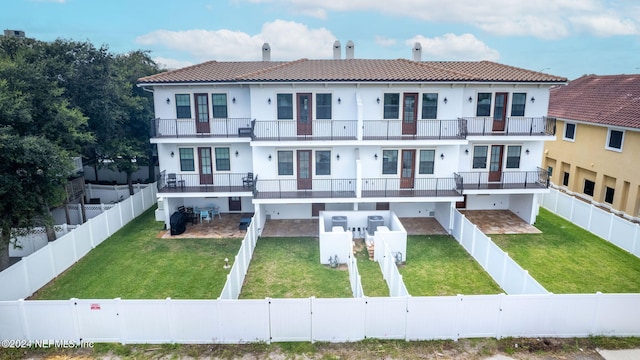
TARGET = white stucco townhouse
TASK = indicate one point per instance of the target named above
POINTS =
(416, 137)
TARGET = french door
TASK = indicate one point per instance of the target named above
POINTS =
(409, 113)
(500, 111)
(304, 107)
(407, 172)
(202, 113)
(304, 177)
(206, 165)
(495, 163)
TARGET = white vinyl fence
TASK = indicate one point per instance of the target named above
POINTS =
(354, 277)
(235, 278)
(507, 273)
(34, 271)
(389, 268)
(311, 319)
(29, 241)
(604, 224)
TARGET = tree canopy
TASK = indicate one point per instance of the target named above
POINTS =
(59, 100)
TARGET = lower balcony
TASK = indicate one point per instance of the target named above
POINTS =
(209, 183)
(304, 188)
(429, 187)
(489, 180)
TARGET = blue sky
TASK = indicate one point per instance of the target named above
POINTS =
(562, 37)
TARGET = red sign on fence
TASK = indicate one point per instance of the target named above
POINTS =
(95, 306)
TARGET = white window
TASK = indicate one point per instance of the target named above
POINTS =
(615, 138)
(569, 131)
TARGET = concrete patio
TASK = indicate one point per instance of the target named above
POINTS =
(488, 221)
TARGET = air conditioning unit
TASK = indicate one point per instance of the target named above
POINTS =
(160, 204)
(373, 222)
(339, 221)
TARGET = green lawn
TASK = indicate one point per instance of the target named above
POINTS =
(438, 266)
(567, 259)
(373, 283)
(290, 268)
(135, 264)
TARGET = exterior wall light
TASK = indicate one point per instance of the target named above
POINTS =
(339, 100)
(533, 99)
(233, 100)
(269, 101)
(470, 99)
(375, 156)
(269, 157)
(168, 101)
(442, 156)
(527, 152)
(445, 100)
(173, 154)
(338, 157)
(237, 153)
(378, 100)
(466, 151)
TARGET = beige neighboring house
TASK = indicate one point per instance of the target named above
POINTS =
(597, 149)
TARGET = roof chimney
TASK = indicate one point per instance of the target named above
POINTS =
(337, 49)
(417, 52)
(349, 49)
(266, 52)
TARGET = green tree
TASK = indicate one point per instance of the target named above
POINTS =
(39, 133)
(34, 171)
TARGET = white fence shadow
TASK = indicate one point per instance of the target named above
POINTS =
(34, 271)
(616, 230)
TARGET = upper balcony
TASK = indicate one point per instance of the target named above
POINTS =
(292, 130)
(511, 126)
(190, 128)
(421, 129)
(502, 180)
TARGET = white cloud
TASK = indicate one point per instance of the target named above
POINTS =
(385, 41)
(547, 19)
(288, 40)
(454, 47)
(170, 64)
(604, 25)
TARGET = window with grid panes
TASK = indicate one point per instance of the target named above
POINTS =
(219, 105)
(285, 162)
(186, 159)
(429, 106)
(323, 106)
(183, 106)
(223, 159)
(427, 158)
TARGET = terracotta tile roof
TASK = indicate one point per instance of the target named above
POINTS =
(609, 100)
(350, 70)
